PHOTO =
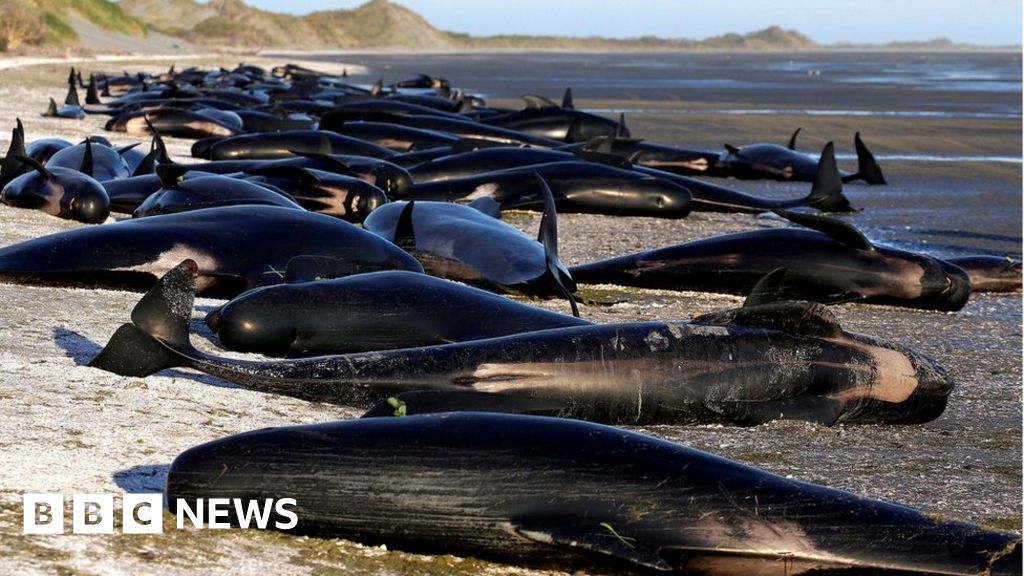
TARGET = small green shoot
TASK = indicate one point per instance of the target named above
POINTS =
(398, 405)
(626, 540)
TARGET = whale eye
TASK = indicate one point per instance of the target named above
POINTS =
(660, 201)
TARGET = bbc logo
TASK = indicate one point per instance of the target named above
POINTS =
(92, 513)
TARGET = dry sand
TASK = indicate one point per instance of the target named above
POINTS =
(68, 428)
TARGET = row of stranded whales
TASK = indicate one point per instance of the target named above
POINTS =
(571, 495)
(386, 336)
(788, 360)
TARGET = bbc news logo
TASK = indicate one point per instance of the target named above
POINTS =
(144, 513)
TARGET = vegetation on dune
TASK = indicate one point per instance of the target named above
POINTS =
(31, 22)
(20, 23)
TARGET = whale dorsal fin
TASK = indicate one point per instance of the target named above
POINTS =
(72, 98)
(567, 103)
(91, 93)
(827, 188)
(405, 236)
(378, 87)
(87, 167)
(620, 128)
(575, 131)
(792, 139)
(768, 289)
(10, 166)
(732, 149)
(157, 153)
(51, 110)
(170, 174)
(548, 236)
(834, 228)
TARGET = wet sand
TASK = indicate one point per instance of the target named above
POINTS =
(65, 427)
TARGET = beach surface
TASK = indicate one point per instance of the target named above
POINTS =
(68, 428)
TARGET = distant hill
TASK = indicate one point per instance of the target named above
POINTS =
(378, 23)
(156, 25)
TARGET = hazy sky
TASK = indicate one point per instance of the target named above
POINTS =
(825, 21)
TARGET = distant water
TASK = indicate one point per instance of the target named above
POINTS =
(964, 85)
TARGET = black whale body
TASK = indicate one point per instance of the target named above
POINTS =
(747, 366)
(566, 494)
(238, 248)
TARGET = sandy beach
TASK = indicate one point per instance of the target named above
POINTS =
(68, 428)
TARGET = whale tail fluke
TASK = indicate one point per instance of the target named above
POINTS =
(827, 190)
(867, 168)
(158, 330)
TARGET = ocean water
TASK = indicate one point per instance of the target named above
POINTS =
(926, 83)
(977, 193)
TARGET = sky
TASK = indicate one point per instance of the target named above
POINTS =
(993, 22)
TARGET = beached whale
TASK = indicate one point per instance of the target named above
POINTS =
(62, 192)
(463, 243)
(366, 312)
(830, 262)
(747, 366)
(237, 248)
(568, 495)
(990, 273)
(786, 163)
(578, 186)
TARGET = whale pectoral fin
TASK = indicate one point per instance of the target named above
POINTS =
(834, 228)
(433, 401)
(590, 534)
